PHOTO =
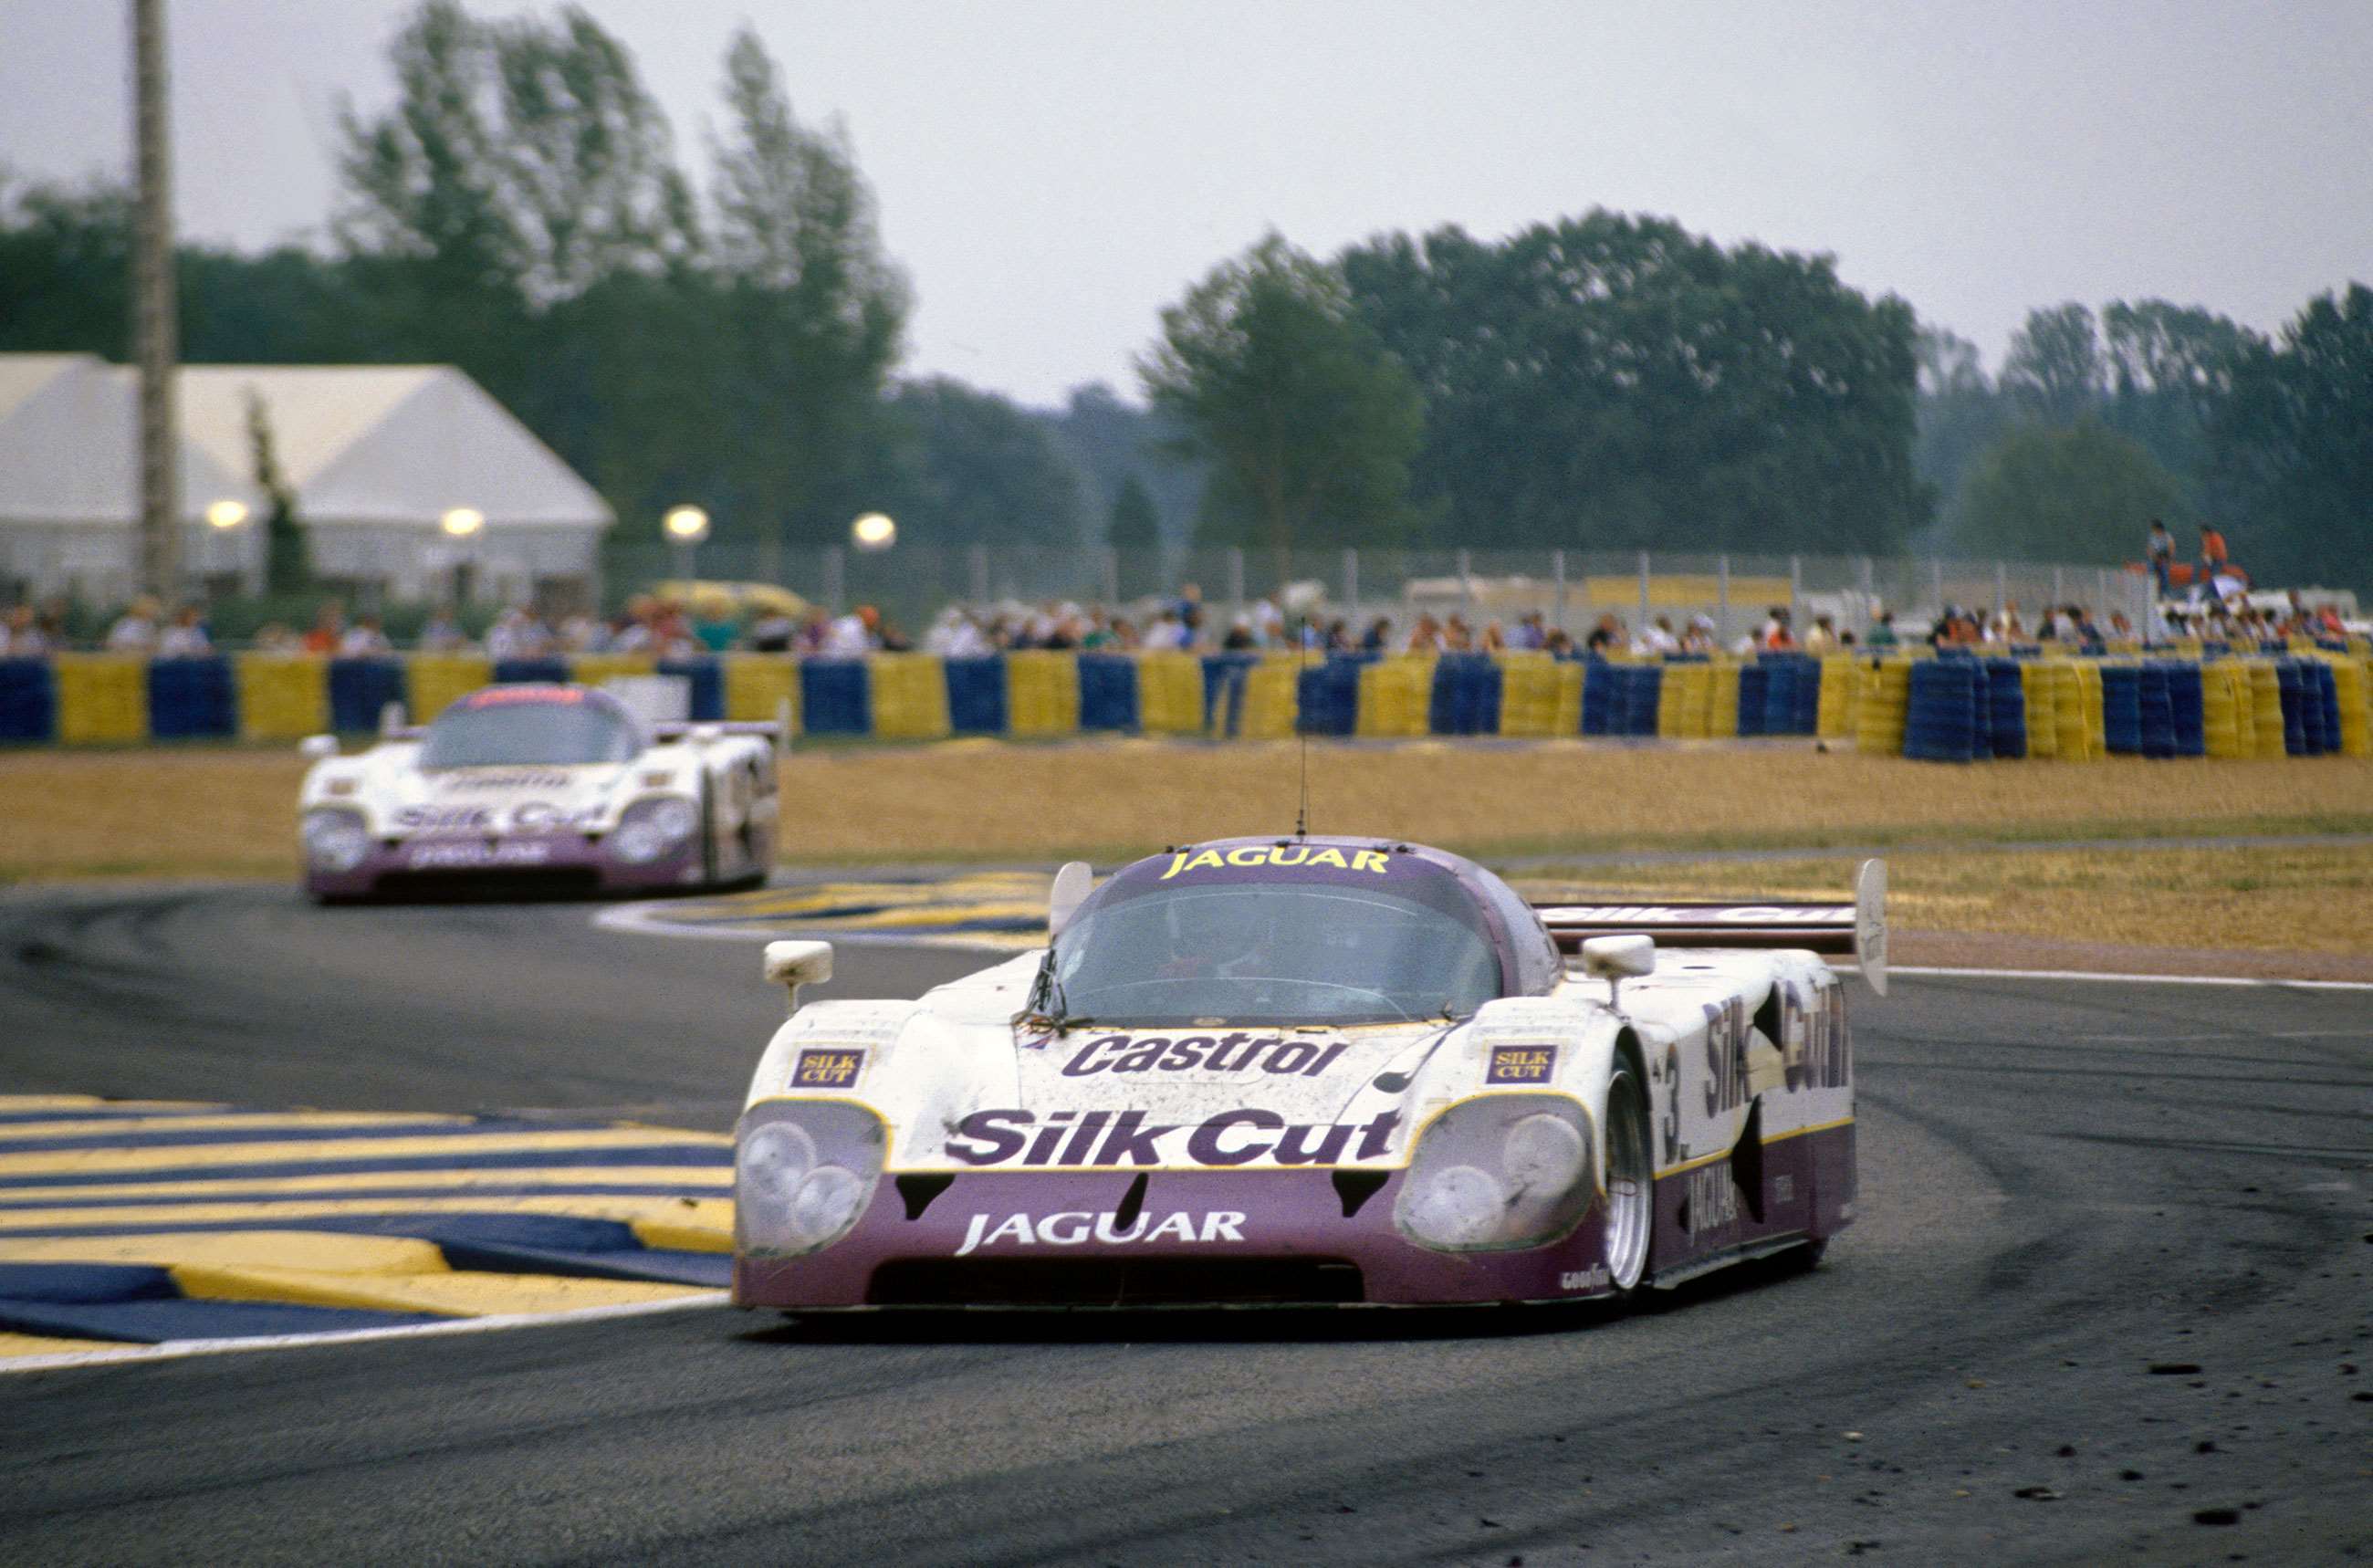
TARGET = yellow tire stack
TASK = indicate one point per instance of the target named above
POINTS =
(2225, 709)
(910, 697)
(756, 686)
(1881, 709)
(1569, 698)
(1042, 692)
(1396, 697)
(2039, 684)
(1685, 702)
(1272, 699)
(1722, 703)
(282, 697)
(1840, 691)
(2266, 709)
(1170, 693)
(102, 698)
(1528, 695)
(437, 679)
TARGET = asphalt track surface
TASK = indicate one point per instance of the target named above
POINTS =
(2111, 1287)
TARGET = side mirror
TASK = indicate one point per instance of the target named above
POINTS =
(797, 964)
(318, 747)
(1617, 958)
(1870, 924)
(1072, 886)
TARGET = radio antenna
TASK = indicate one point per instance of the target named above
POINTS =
(1301, 725)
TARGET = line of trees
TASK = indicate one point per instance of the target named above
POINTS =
(1604, 381)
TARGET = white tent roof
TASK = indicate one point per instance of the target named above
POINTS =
(396, 443)
(69, 446)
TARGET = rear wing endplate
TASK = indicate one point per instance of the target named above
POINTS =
(1858, 929)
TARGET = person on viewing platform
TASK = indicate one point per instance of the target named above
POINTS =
(1823, 638)
(1882, 631)
(2158, 550)
(1776, 636)
(135, 631)
(714, 623)
(1531, 632)
(186, 637)
(1559, 643)
(1494, 638)
(772, 631)
(20, 636)
(1701, 636)
(1268, 621)
(365, 639)
(2215, 559)
(1338, 636)
(1240, 638)
(1166, 635)
(1604, 636)
(1425, 637)
(1457, 636)
(1378, 637)
(1656, 639)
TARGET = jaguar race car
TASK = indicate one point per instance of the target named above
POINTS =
(1311, 1070)
(553, 789)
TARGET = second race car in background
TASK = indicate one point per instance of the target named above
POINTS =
(541, 788)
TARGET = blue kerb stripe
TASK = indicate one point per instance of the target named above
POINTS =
(153, 1322)
(160, 1200)
(167, 1138)
(460, 1159)
(111, 1113)
(83, 1283)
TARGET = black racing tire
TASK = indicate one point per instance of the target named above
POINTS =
(1631, 1230)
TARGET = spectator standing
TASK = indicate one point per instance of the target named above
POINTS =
(365, 639)
(2158, 549)
(1882, 631)
(1378, 637)
(1656, 639)
(186, 637)
(328, 625)
(442, 634)
(135, 631)
(851, 635)
(2213, 557)
(20, 636)
(1776, 636)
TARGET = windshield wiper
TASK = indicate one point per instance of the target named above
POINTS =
(1047, 1004)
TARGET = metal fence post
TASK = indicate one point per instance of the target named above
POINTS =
(1796, 593)
(1112, 576)
(1722, 599)
(1466, 583)
(2100, 589)
(1557, 567)
(2002, 586)
(1235, 581)
(1643, 591)
(1869, 598)
(1352, 584)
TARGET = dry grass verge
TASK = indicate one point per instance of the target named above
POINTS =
(2263, 899)
(228, 811)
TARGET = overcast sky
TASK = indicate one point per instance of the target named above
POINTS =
(1050, 173)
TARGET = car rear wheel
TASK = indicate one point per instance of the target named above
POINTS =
(1630, 1181)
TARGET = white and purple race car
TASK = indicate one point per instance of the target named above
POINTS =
(540, 789)
(1311, 1070)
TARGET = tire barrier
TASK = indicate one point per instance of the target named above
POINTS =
(192, 698)
(2311, 704)
(28, 699)
(531, 672)
(360, 689)
(1941, 723)
(2005, 709)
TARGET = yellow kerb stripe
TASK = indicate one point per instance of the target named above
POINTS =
(77, 1162)
(359, 1182)
(703, 1213)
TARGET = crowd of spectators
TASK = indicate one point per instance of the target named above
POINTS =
(664, 628)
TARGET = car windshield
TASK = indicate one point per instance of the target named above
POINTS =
(1271, 953)
(552, 734)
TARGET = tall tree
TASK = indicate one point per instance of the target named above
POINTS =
(2080, 493)
(974, 468)
(815, 310)
(1959, 415)
(1613, 380)
(2293, 447)
(1307, 422)
(2054, 371)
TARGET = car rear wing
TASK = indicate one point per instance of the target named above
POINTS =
(1858, 929)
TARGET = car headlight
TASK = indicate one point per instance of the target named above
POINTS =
(335, 839)
(1502, 1171)
(802, 1176)
(648, 829)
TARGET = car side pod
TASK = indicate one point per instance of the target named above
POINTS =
(1617, 958)
(795, 964)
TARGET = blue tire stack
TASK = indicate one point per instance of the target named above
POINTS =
(2326, 687)
(28, 699)
(2122, 709)
(2154, 711)
(1941, 722)
(360, 688)
(2005, 709)
(836, 697)
(2289, 681)
(977, 694)
(707, 678)
(1327, 698)
(192, 697)
(1108, 693)
(531, 672)
(1780, 677)
(2189, 705)
(1754, 687)
(1647, 695)
(1601, 687)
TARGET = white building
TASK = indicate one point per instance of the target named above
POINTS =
(409, 481)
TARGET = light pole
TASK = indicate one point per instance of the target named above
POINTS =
(686, 527)
(224, 519)
(461, 525)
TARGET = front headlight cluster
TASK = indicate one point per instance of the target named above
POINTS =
(648, 829)
(803, 1175)
(335, 839)
(1504, 1171)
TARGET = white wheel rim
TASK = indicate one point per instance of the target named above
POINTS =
(1631, 1184)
